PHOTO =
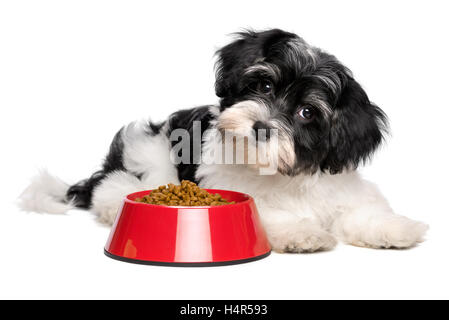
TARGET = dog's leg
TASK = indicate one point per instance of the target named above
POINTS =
(144, 155)
(289, 233)
(109, 194)
(368, 221)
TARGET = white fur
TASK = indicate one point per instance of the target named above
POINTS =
(45, 193)
(307, 212)
(239, 120)
(304, 213)
(109, 194)
(148, 154)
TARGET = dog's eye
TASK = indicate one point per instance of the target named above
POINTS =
(306, 114)
(265, 87)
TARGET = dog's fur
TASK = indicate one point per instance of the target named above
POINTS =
(327, 127)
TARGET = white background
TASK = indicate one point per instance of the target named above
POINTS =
(73, 72)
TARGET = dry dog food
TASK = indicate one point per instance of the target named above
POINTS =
(186, 194)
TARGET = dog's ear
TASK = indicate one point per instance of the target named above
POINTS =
(232, 59)
(357, 128)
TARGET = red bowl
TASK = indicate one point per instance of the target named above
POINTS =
(188, 236)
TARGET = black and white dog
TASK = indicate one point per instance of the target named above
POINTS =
(325, 124)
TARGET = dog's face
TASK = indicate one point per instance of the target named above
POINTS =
(275, 80)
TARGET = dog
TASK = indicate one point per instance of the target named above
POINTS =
(325, 127)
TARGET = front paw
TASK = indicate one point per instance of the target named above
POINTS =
(402, 232)
(395, 232)
(302, 240)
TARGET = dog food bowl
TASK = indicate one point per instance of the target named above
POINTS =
(188, 236)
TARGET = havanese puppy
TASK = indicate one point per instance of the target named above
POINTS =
(304, 125)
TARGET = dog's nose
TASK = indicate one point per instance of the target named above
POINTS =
(262, 130)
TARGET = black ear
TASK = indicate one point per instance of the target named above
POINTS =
(357, 129)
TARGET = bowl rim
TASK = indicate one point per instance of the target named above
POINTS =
(248, 200)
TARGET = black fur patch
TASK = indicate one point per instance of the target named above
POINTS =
(155, 128)
(184, 119)
(240, 54)
(356, 131)
(81, 193)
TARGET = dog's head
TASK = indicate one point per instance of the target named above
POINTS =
(275, 80)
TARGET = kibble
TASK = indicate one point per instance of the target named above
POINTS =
(186, 194)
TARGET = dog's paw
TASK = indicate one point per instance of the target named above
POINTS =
(403, 233)
(395, 232)
(107, 215)
(303, 240)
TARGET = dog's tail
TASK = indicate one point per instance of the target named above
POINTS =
(47, 193)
